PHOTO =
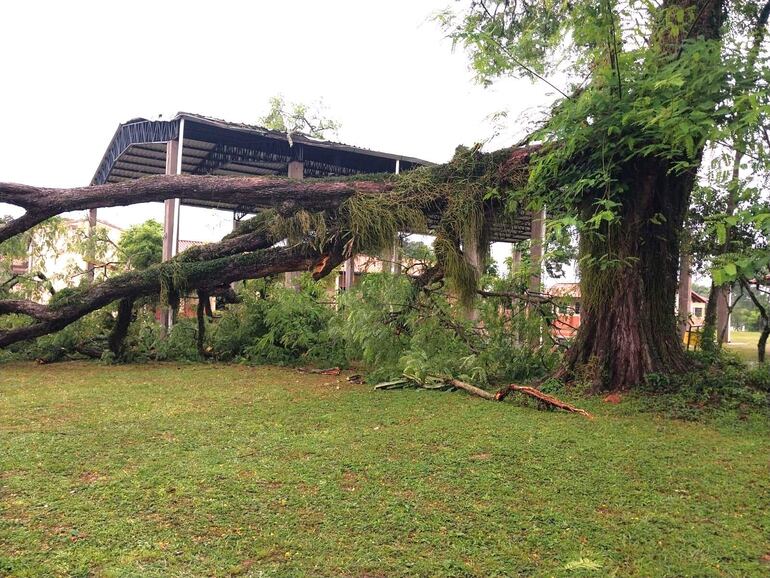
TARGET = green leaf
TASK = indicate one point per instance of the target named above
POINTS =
(721, 232)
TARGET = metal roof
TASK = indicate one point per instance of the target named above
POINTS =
(213, 146)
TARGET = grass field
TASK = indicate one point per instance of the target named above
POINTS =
(744, 344)
(206, 470)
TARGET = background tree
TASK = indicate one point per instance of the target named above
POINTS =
(294, 117)
(142, 245)
(647, 87)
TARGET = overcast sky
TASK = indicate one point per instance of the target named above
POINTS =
(72, 71)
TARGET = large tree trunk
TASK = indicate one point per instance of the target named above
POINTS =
(629, 272)
(628, 325)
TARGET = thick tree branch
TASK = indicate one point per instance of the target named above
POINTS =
(249, 193)
(205, 275)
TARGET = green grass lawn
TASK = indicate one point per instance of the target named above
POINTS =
(213, 470)
(744, 344)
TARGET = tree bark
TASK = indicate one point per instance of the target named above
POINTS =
(249, 193)
(708, 338)
(116, 341)
(628, 326)
(200, 314)
(763, 315)
(629, 277)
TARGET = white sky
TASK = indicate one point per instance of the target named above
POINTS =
(72, 71)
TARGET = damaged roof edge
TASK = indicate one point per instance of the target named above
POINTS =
(141, 130)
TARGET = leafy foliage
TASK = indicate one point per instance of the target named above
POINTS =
(279, 325)
(395, 330)
(719, 383)
(293, 118)
(142, 245)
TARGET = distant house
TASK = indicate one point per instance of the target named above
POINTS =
(697, 309)
(568, 311)
(62, 263)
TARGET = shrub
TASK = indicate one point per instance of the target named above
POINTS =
(718, 382)
(396, 330)
(279, 325)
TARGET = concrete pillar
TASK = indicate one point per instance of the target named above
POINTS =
(472, 251)
(171, 209)
(537, 246)
(389, 258)
(515, 260)
(350, 273)
(537, 238)
(684, 300)
(395, 265)
(397, 269)
(296, 171)
(91, 232)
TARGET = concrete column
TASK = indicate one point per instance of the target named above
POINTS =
(296, 171)
(397, 269)
(388, 257)
(537, 246)
(91, 232)
(350, 273)
(515, 260)
(684, 300)
(537, 238)
(171, 209)
(472, 251)
(172, 206)
(395, 265)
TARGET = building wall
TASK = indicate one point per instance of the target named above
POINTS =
(61, 262)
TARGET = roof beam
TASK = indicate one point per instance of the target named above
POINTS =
(223, 154)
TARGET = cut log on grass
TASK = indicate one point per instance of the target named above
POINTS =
(330, 371)
(396, 384)
(472, 389)
(544, 398)
(548, 400)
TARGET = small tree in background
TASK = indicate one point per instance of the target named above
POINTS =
(142, 245)
(293, 118)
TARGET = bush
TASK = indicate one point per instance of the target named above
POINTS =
(88, 334)
(395, 330)
(279, 325)
(718, 382)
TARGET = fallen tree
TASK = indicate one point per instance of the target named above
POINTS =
(250, 193)
(328, 220)
(620, 159)
(199, 275)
